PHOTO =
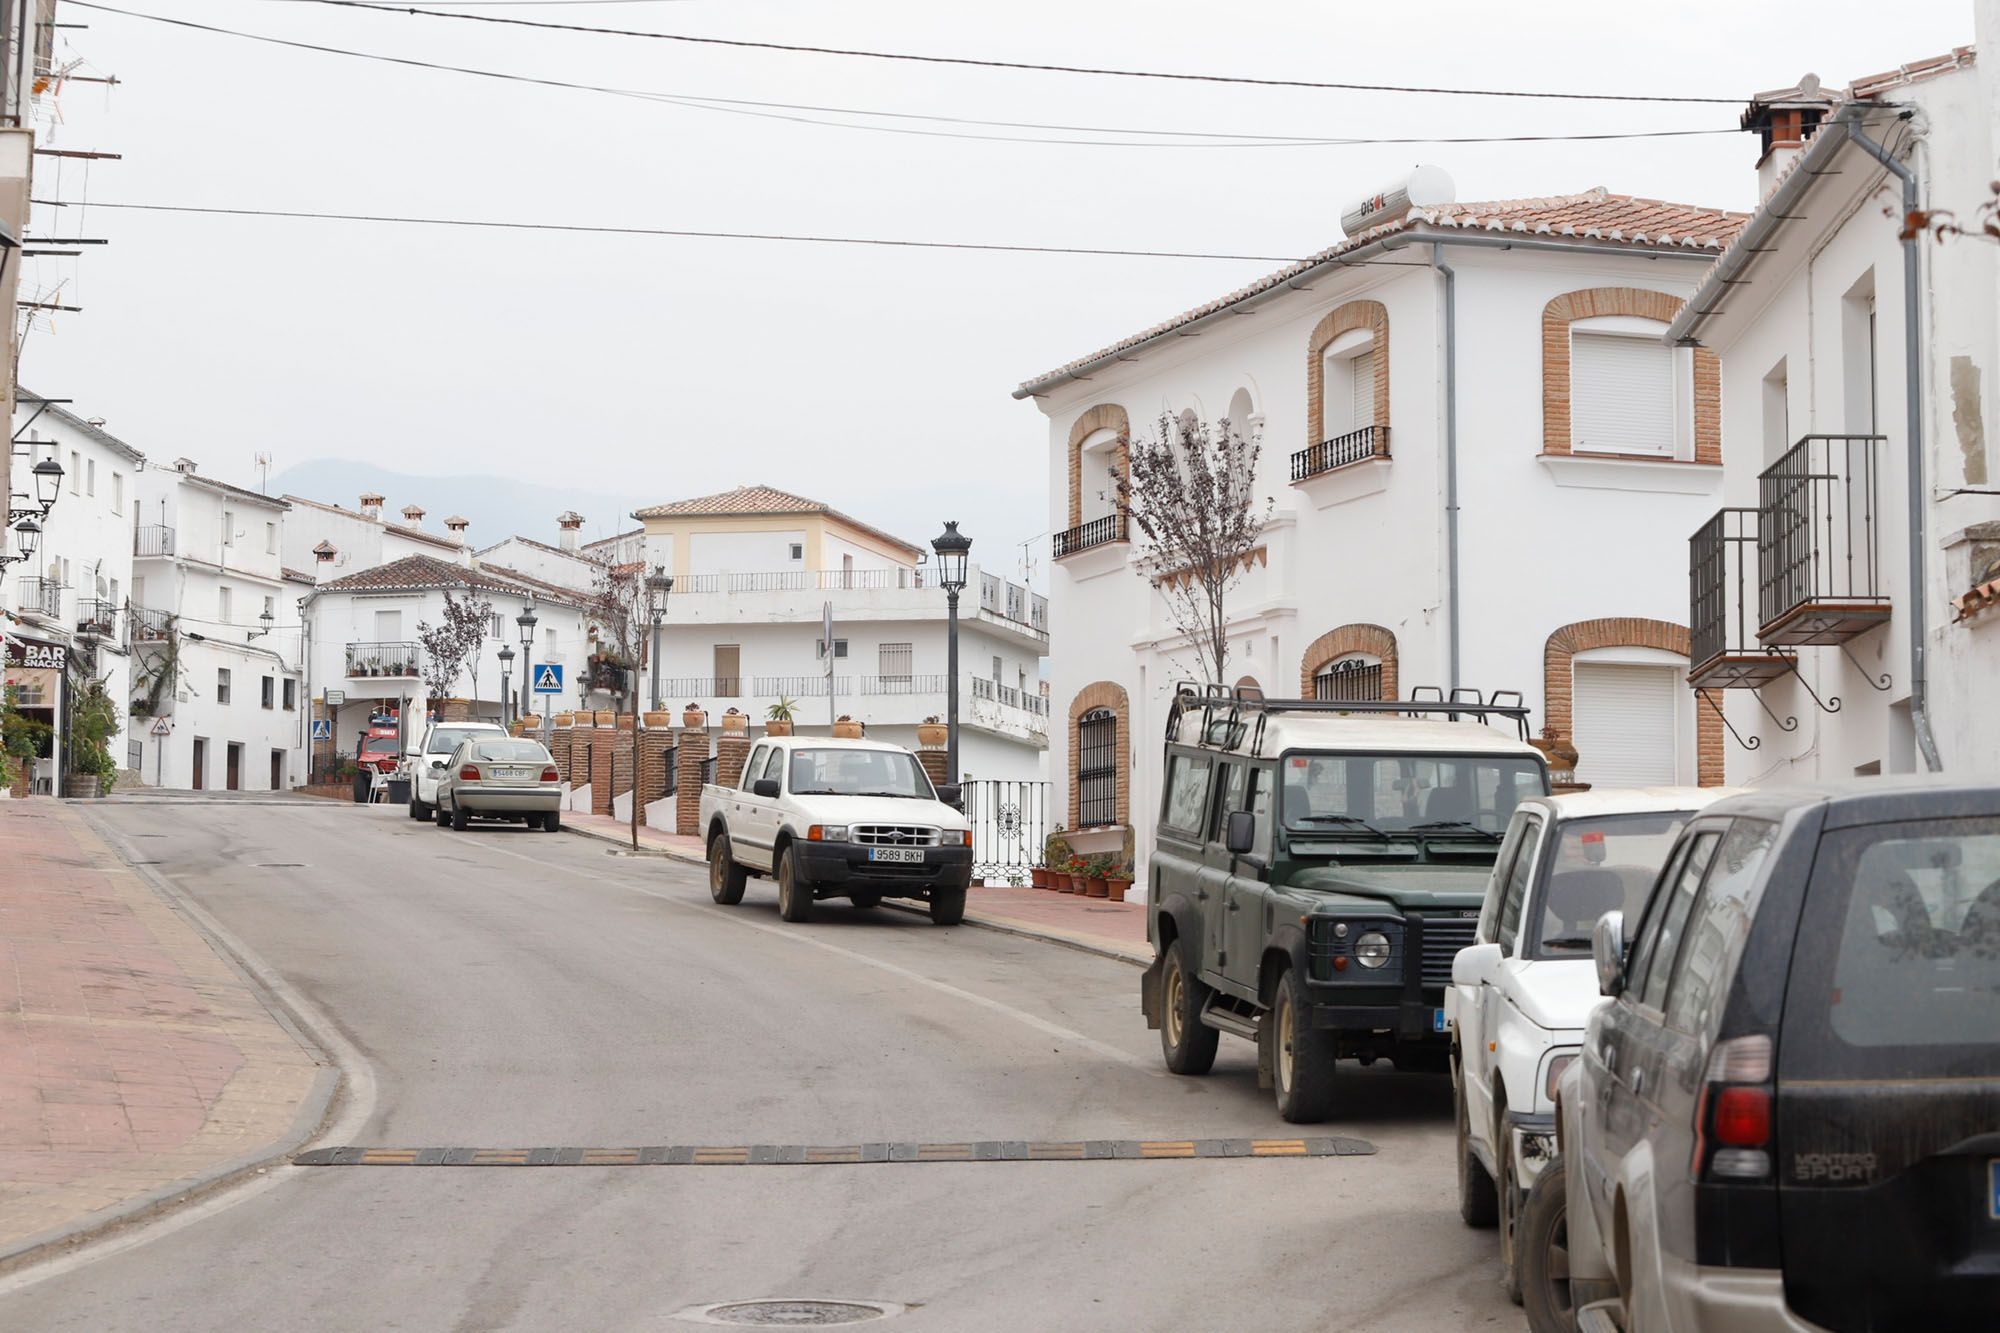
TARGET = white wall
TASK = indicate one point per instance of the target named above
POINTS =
(744, 552)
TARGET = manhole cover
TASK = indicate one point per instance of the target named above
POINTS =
(791, 1313)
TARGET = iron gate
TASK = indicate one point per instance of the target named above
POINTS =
(1009, 820)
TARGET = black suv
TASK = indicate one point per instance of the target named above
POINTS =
(1789, 1114)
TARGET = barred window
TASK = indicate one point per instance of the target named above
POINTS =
(1097, 767)
(1348, 680)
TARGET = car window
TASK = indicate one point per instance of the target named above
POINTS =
(1600, 864)
(503, 750)
(1510, 843)
(1329, 793)
(444, 740)
(858, 772)
(1648, 983)
(774, 767)
(1508, 929)
(1257, 800)
(1718, 926)
(754, 766)
(1228, 797)
(1187, 791)
(1896, 970)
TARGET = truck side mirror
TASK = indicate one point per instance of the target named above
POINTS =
(1476, 965)
(765, 787)
(952, 795)
(1239, 834)
(1607, 950)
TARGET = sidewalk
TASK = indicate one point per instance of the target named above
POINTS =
(135, 1064)
(1116, 930)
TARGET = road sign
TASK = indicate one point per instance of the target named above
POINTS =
(548, 678)
(162, 727)
(335, 698)
(322, 728)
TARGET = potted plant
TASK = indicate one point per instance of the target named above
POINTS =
(1073, 875)
(1118, 880)
(735, 723)
(847, 728)
(694, 716)
(932, 734)
(93, 722)
(1094, 872)
(1055, 850)
(778, 717)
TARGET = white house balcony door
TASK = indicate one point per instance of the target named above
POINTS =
(1626, 719)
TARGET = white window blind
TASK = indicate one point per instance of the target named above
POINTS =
(894, 661)
(1361, 395)
(1624, 724)
(1621, 394)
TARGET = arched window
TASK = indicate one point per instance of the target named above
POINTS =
(1357, 677)
(1347, 373)
(1097, 768)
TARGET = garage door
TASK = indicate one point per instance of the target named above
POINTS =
(1625, 724)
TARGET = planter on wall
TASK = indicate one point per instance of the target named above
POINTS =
(693, 717)
(848, 729)
(933, 735)
(565, 719)
(658, 718)
(735, 723)
(777, 728)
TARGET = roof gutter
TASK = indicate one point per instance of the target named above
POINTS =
(1423, 233)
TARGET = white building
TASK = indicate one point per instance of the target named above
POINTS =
(218, 678)
(1853, 558)
(755, 572)
(335, 541)
(564, 566)
(67, 603)
(1483, 461)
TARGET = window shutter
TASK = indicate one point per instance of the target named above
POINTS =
(1624, 724)
(1361, 397)
(1621, 394)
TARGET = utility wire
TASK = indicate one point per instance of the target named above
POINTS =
(548, 25)
(768, 110)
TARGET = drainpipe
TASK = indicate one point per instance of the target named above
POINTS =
(1913, 430)
(1450, 462)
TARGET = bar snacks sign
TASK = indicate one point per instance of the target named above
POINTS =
(33, 656)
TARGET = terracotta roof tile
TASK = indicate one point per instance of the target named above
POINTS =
(1916, 72)
(1594, 215)
(742, 500)
(420, 571)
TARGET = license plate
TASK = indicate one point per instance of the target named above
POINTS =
(1437, 1020)
(901, 855)
(510, 772)
(1993, 1189)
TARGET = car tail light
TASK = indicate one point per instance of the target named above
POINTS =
(470, 773)
(552, 774)
(1733, 1116)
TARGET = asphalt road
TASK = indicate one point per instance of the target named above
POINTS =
(509, 989)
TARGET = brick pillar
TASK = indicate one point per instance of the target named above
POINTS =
(559, 745)
(624, 744)
(934, 764)
(730, 752)
(603, 744)
(656, 749)
(692, 754)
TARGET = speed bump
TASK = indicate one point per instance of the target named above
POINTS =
(856, 1154)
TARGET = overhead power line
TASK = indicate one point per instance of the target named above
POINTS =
(979, 63)
(1153, 138)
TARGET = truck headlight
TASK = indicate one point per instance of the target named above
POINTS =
(827, 833)
(955, 837)
(1371, 949)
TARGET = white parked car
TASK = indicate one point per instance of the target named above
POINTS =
(427, 761)
(830, 818)
(1523, 990)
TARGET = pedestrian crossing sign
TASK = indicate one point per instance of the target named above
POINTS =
(548, 678)
(322, 728)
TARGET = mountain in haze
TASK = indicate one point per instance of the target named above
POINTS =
(499, 507)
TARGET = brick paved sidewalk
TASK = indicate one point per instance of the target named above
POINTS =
(132, 1057)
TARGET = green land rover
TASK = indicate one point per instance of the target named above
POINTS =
(1317, 866)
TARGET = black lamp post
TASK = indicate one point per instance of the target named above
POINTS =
(506, 694)
(658, 584)
(25, 519)
(526, 620)
(952, 547)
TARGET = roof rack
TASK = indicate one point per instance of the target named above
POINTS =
(1226, 729)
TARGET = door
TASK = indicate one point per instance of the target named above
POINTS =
(1625, 729)
(729, 670)
(1479, 1008)
(1213, 879)
(1248, 894)
(1180, 849)
(758, 817)
(277, 770)
(235, 767)
(200, 764)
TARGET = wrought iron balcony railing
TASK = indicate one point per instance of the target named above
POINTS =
(930, 684)
(37, 596)
(1723, 651)
(95, 615)
(1819, 579)
(150, 626)
(153, 539)
(1097, 532)
(700, 689)
(1353, 447)
(396, 661)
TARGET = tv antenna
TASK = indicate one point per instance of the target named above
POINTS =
(264, 473)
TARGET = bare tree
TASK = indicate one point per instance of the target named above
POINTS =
(1191, 493)
(448, 646)
(617, 611)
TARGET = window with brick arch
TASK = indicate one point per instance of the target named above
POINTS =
(1097, 767)
(1350, 679)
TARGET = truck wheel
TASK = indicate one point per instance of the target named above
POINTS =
(459, 818)
(947, 906)
(1302, 1062)
(1478, 1201)
(1548, 1295)
(1187, 1043)
(418, 810)
(725, 878)
(795, 896)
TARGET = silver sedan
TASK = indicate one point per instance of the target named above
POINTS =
(496, 777)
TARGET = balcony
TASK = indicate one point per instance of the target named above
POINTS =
(94, 615)
(1342, 450)
(150, 626)
(394, 661)
(156, 539)
(1097, 532)
(904, 684)
(1819, 580)
(39, 597)
(1723, 652)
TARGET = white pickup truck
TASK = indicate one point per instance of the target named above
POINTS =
(831, 818)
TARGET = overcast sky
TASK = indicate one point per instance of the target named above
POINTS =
(875, 379)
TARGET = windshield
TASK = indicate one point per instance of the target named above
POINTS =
(506, 751)
(443, 740)
(1382, 795)
(858, 773)
(374, 747)
(1600, 865)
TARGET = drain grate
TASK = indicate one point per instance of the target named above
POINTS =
(791, 1313)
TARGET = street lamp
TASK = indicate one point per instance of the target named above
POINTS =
(506, 694)
(267, 620)
(27, 535)
(658, 584)
(526, 620)
(952, 547)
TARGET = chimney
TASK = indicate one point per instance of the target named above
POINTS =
(569, 521)
(1784, 120)
(413, 515)
(456, 526)
(184, 465)
(371, 504)
(325, 552)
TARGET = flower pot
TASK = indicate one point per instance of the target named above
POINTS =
(933, 735)
(1115, 889)
(1093, 887)
(607, 717)
(847, 729)
(1039, 876)
(657, 718)
(1072, 884)
(531, 722)
(736, 724)
(565, 719)
(82, 786)
(778, 728)
(693, 717)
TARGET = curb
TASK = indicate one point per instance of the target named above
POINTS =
(314, 1111)
(624, 842)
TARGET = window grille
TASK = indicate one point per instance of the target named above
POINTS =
(1097, 768)
(1351, 679)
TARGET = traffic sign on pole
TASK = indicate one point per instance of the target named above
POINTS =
(335, 698)
(322, 729)
(549, 678)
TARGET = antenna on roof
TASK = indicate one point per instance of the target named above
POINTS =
(263, 461)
